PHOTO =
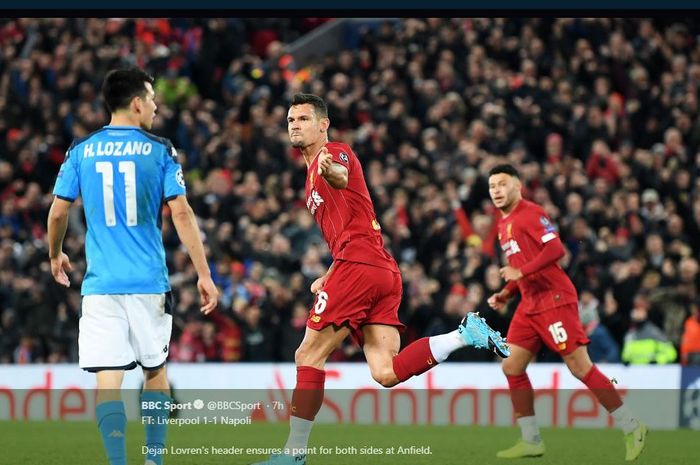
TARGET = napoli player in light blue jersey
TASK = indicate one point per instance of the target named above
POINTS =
(124, 176)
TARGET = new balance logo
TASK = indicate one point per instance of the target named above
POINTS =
(116, 434)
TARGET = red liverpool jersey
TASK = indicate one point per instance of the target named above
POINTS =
(346, 216)
(522, 235)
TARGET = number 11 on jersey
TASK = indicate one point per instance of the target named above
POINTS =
(106, 169)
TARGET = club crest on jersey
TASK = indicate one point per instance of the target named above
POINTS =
(343, 156)
(314, 201)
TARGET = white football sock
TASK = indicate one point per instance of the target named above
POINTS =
(298, 440)
(443, 345)
(624, 419)
(529, 430)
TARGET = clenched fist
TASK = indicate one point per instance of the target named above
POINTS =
(325, 161)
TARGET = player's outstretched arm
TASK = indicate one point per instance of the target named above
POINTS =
(57, 224)
(334, 173)
(187, 230)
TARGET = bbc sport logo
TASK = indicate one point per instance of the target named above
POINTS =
(690, 398)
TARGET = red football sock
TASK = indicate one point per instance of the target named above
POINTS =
(308, 393)
(603, 389)
(521, 395)
(414, 359)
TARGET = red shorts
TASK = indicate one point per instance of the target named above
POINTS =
(559, 328)
(356, 295)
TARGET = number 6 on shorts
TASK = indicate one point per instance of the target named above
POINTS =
(321, 302)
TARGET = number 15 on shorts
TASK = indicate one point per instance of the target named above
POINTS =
(558, 332)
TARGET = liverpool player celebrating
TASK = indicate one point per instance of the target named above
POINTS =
(361, 293)
(547, 314)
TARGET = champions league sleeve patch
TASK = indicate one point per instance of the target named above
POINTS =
(550, 231)
(180, 178)
(344, 157)
(548, 226)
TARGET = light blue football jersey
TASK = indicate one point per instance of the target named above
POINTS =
(124, 175)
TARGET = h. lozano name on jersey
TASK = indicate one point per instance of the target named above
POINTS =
(117, 149)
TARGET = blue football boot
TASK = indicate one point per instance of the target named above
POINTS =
(477, 333)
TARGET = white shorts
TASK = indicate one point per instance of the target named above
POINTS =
(120, 330)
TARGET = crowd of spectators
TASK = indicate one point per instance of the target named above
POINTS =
(600, 116)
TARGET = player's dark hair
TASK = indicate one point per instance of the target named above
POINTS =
(320, 107)
(122, 85)
(505, 168)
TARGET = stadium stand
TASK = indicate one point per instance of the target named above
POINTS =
(600, 115)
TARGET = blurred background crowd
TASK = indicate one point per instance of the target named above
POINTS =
(601, 117)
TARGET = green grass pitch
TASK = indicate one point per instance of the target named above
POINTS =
(76, 443)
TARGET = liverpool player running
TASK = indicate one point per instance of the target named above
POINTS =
(361, 293)
(547, 314)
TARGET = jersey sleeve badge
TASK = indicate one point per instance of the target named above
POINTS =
(180, 178)
(548, 226)
(550, 231)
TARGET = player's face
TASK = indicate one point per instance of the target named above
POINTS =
(504, 190)
(147, 107)
(304, 127)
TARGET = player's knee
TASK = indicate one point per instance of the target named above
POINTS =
(579, 370)
(511, 368)
(156, 379)
(306, 356)
(156, 373)
(301, 355)
(385, 377)
(579, 363)
(387, 380)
